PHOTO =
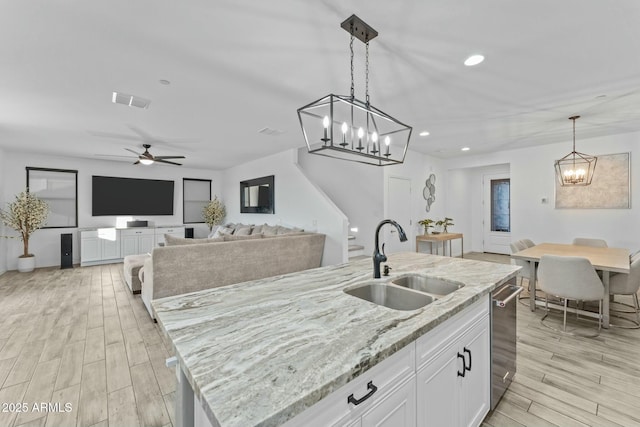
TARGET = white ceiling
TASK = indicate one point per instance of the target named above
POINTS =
(237, 66)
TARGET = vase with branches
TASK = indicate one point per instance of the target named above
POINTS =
(214, 212)
(25, 214)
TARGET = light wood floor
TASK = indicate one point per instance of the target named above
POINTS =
(80, 337)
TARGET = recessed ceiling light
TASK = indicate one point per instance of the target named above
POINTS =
(164, 82)
(465, 149)
(473, 60)
(424, 133)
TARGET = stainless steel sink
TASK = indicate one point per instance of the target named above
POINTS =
(427, 284)
(390, 296)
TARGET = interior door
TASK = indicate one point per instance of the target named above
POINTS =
(399, 210)
(497, 213)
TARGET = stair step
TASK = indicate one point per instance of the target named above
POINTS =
(357, 257)
(355, 248)
(351, 237)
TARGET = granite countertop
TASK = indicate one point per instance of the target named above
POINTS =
(260, 352)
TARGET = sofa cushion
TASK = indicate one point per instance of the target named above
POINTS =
(223, 231)
(242, 231)
(269, 230)
(242, 237)
(176, 241)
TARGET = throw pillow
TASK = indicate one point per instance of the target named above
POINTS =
(257, 229)
(242, 231)
(213, 231)
(223, 231)
(269, 230)
(244, 237)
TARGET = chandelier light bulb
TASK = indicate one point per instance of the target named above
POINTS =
(374, 137)
(325, 122)
(360, 133)
(344, 127)
(387, 141)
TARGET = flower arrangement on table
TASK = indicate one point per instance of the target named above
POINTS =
(444, 223)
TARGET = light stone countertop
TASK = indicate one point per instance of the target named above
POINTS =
(261, 352)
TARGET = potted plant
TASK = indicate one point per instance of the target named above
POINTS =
(25, 214)
(214, 212)
(444, 223)
(427, 224)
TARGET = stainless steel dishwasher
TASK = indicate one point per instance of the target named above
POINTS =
(503, 338)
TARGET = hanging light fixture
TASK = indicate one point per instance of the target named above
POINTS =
(575, 168)
(344, 127)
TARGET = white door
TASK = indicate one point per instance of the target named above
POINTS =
(399, 210)
(497, 213)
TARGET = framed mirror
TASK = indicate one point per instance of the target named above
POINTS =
(256, 195)
(59, 188)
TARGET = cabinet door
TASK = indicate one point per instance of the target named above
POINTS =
(476, 386)
(110, 249)
(398, 409)
(438, 390)
(145, 243)
(90, 249)
(129, 245)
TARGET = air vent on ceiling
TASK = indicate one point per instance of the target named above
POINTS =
(130, 100)
(269, 131)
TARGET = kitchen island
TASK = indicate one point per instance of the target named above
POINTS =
(262, 352)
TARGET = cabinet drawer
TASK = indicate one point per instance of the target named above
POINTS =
(93, 234)
(433, 342)
(386, 376)
(178, 231)
(136, 232)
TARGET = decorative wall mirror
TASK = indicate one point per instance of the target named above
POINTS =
(59, 188)
(256, 195)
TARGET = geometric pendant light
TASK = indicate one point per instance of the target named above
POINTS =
(575, 168)
(343, 127)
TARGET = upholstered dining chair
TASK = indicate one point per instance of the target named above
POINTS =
(628, 284)
(517, 246)
(528, 243)
(596, 243)
(569, 278)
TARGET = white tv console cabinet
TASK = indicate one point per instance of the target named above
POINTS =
(110, 244)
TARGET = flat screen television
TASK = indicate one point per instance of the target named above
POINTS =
(131, 196)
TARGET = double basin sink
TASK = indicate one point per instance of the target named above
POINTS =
(409, 292)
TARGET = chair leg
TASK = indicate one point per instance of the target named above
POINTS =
(600, 315)
(635, 300)
(564, 322)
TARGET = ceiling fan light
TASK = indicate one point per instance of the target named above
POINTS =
(146, 161)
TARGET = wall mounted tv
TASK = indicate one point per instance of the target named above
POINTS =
(130, 196)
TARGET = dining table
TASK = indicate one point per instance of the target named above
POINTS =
(607, 260)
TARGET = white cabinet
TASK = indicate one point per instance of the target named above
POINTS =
(384, 395)
(136, 241)
(453, 385)
(99, 246)
(173, 231)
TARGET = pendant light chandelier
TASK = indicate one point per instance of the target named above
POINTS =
(344, 127)
(575, 168)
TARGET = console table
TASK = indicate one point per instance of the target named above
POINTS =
(440, 237)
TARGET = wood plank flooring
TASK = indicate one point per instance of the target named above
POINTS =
(79, 337)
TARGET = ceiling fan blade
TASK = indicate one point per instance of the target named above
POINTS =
(134, 152)
(168, 157)
(167, 161)
(113, 156)
(145, 136)
(136, 163)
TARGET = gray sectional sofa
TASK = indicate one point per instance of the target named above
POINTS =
(210, 263)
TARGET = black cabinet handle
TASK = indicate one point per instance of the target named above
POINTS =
(467, 368)
(372, 389)
(464, 367)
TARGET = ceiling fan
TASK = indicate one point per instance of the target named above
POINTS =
(147, 158)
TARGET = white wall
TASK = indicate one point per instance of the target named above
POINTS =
(532, 178)
(3, 204)
(45, 244)
(298, 202)
(466, 202)
(417, 167)
(354, 187)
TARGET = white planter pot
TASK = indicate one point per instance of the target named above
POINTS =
(25, 265)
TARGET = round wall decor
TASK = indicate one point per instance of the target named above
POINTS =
(429, 191)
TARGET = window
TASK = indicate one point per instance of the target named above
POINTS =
(196, 193)
(59, 188)
(500, 205)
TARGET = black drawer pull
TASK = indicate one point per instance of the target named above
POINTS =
(467, 368)
(372, 389)
(464, 367)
